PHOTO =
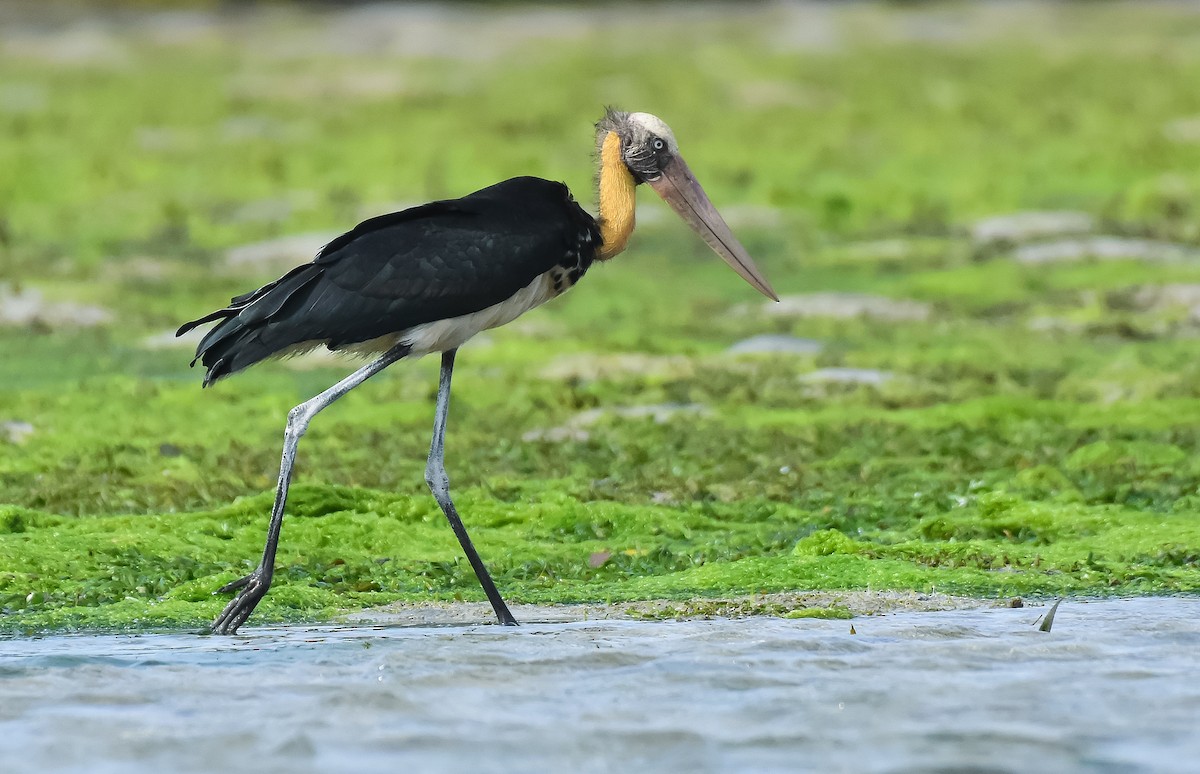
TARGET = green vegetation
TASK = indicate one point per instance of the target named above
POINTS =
(1039, 433)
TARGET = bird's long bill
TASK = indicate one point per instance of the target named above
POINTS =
(678, 188)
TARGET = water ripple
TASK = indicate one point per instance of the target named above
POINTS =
(1112, 688)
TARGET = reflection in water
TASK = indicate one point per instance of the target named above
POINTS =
(1112, 688)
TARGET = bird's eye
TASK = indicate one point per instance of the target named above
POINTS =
(659, 144)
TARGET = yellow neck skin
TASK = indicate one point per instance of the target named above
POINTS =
(616, 199)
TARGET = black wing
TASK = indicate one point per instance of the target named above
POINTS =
(440, 260)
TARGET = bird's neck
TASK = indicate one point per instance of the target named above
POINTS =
(617, 199)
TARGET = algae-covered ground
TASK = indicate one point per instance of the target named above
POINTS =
(984, 378)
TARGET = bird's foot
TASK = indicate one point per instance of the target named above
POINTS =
(253, 588)
(504, 617)
(237, 584)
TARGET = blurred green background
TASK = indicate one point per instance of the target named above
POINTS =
(985, 218)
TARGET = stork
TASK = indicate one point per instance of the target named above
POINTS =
(429, 278)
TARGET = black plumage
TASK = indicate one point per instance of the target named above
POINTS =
(429, 278)
(388, 274)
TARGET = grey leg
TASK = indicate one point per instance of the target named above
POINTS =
(255, 585)
(439, 484)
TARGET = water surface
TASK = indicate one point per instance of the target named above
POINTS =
(1114, 687)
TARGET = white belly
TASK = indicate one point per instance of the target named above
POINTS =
(454, 332)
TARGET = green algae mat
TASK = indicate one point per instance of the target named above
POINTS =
(983, 379)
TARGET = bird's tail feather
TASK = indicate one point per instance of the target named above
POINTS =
(248, 332)
(231, 347)
(234, 344)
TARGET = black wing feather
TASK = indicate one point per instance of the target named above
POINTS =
(390, 273)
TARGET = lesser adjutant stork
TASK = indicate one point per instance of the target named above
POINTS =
(429, 278)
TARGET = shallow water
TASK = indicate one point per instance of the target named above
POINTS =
(1114, 687)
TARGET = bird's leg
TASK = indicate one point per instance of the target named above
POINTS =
(254, 586)
(439, 484)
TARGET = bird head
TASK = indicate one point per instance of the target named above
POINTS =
(647, 150)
